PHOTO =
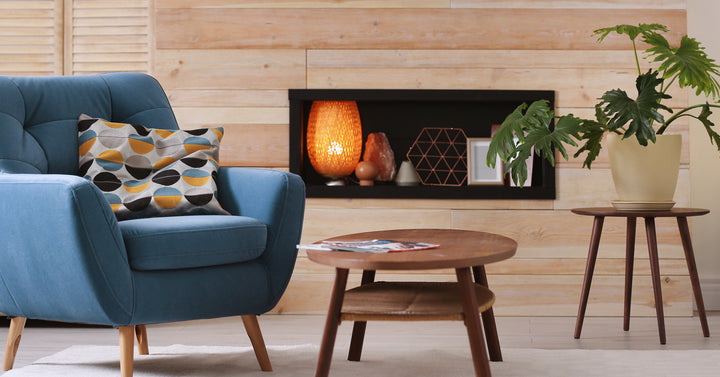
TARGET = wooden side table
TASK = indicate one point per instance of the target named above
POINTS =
(465, 251)
(681, 214)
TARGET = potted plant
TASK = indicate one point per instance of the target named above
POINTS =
(630, 123)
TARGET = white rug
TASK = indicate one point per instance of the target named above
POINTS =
(208, 361)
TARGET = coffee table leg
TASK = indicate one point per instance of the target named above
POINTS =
(358, 333)
(488, 319)
(692, 269)
(629, 260)
(655, 272)
(472, 322)
(332, 323)
(589, 268)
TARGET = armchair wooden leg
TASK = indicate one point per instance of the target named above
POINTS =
(142, 340)
(17, 324)
(253, 330)
(127, 343)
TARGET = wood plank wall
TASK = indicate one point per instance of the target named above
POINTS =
(107, 36)
(230, 63)
(31, 37)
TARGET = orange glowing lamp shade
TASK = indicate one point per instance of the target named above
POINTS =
(334, 137)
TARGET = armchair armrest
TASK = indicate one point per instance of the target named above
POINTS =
(60, 241)
(276, 198)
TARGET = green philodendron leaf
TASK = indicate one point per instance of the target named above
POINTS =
(704, 117)
(631, 31)
(635, 117)
(688, 62)
(592, 132)
(537, 136)
(503, 142)
(515, 127)
(518, 166)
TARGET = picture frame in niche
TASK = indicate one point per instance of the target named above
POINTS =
(478, 171)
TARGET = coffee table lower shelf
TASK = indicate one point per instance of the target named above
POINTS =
(410, 301)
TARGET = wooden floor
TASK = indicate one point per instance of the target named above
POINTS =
(515, 332)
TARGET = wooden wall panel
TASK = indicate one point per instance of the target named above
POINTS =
(231, 69)
(304, 4)
(107, 36)
(400, 28)
(517, 295)
(572, 4)
(230, 63)
(31, 34)
(259, 145)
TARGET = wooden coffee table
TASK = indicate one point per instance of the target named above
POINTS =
(465, 251)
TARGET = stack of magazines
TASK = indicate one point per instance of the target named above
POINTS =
(372, 246)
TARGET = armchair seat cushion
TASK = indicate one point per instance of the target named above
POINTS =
(177, 242)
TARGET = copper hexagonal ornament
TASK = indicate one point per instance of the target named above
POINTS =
(440, 156)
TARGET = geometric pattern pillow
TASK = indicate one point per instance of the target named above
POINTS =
(146, 172)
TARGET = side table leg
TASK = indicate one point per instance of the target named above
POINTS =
(332, 323)
(358, 333)
(488, 319)
(692, 269)
(472, 322)
(629, 260)
(655, 272)
(589, 268)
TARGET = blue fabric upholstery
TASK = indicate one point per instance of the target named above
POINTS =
(170, 243)
(64, 255)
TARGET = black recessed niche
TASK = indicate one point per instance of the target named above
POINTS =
(402, 114)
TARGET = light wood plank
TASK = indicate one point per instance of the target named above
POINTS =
(109, 40)
(192, 117)
(559, 295)
(594, 188)
(110, 4)
(518, 295)
(112, 57)
(104, 13)
(400, 28)
(228, 97)
(303, 4)
(449, 58)
(231, 69)
(573, 87)
(110, 30)
(26, 23)
(113, 36)
(572, 4)
(256, 145)
(562, 233)
(324, 223)
(539, 266)
(111, 19)
(26, 4)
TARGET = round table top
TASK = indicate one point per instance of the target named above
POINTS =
(458, 249)
(613, 212)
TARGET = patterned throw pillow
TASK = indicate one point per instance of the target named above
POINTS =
(146, 172)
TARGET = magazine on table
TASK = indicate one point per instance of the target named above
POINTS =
(372, 246)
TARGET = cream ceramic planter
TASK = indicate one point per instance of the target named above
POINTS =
(645, 177)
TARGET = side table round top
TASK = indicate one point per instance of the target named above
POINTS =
(458, 249)
(613, 212)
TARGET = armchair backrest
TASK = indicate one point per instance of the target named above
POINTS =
(38, 115)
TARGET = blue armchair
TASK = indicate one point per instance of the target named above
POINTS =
(65, 257)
